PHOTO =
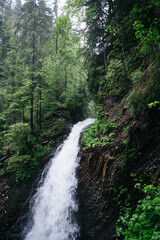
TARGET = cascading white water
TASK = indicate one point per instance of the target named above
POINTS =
(55, 199)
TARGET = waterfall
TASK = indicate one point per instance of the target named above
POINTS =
(54, 203)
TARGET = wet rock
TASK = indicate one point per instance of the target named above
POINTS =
(102, 173)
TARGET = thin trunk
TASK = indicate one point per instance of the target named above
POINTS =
(103, 39)
(32, 84)
(32, 98)
(65, 83)
(56, 45)
(55, 9)
(14, 117)
(32, 77)
(40, 109)
(3, 48)
(65, 70)
(23, 114)
(104, 54)
(37, 108)
(124, 59)
(37, 104)
(40, 106)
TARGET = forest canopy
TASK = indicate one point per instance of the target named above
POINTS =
(41, 71)
(49, 61)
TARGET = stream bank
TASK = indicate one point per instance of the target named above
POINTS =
(15, 196)
(107, 175)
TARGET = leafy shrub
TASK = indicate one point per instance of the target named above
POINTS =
(19, 138)
(99, 134)
(149, 38)
(22, 165)
(107, 127)
(147, 90)
(24, 151)
(1, 152)
(144, 223)
(135, 76)
(154, 104)
(115, 78)
(54, 129)
(50, 107)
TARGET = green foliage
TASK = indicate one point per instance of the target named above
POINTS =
(22, 165)
(54, 129)
(19, 138)
(149, 37)
(120, 194)
(76, 102)
(41, 70)
(135, 76)
(147, 89)
(90, 134)
(25, 152)
(99, 134)
(108, 127)
(153, 104)
(25, 165)
(122, 41)
(115, 80)
(144, 223)
(127, 154)
(51, 107)
(64, 72)
(91, 109)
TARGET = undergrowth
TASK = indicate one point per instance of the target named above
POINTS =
(54, 129)
(99, 134)
(23, 151)
(144, 222)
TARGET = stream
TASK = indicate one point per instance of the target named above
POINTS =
(54, 206)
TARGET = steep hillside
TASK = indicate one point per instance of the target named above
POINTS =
(51, 72)
(120, 152)
(108, 174)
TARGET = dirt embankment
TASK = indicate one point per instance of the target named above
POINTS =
(107, 175)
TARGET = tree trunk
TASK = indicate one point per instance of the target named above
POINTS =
(32, 78)
(56, 45)
(37, 109)
(40, 107)
(31, 117)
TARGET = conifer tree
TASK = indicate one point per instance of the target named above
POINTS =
(34, 28)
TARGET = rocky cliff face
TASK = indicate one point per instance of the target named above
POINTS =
(107, 175)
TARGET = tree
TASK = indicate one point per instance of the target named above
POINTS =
(34, 28)
(55, 11)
